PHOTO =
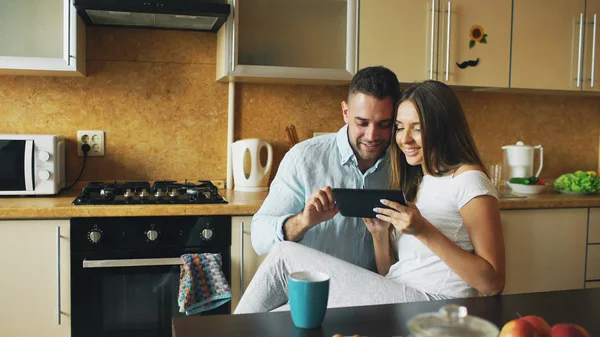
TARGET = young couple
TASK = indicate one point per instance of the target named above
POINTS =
(446, 243)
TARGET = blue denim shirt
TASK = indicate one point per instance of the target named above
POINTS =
(310, 165)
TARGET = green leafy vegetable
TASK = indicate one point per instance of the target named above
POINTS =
(578, 182)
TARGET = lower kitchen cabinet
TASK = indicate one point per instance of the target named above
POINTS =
(589, 285)
(545, 249)
(592, 269)
(244, 260)
(35, 283)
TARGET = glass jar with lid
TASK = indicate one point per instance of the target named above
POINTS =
(451, 321)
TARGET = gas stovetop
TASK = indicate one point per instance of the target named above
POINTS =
(142, 193)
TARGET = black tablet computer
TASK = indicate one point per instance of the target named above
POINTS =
(360, 202)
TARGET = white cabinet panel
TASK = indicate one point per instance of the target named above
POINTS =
(594, 226)
(244, 260)
(593, 263)
(589, 285)
(545, 249)
(36, 285)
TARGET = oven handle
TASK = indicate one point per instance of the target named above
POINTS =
(174, 261)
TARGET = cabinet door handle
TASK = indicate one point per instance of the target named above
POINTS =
(59, 309)
(580, 50)
(67, 32)
(233, 34)
(593, 53)
(433, 16)
(448, 41)
(353, 8)
(242, 258)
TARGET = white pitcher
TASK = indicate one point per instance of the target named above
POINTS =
(249, 175)
(518, 160)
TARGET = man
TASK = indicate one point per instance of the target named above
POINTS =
(300, 206)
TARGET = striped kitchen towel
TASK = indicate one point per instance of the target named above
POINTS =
(202, 284)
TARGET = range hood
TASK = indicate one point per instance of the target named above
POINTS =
(201, 15)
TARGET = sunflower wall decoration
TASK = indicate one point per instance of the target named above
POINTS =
(477, 34)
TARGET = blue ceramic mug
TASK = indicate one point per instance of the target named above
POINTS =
(308, 292)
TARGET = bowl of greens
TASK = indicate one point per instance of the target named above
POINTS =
(578, 183)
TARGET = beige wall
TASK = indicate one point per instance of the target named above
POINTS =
(165, 117)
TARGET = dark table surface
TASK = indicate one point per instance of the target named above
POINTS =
(574, 306)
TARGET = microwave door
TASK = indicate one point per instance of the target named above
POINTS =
(16, 170)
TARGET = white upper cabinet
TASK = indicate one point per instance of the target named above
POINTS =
(591, 59)
(298, 41)
(474, 43)
(41, 37)
(432, 39)
(548, 44)
(400, 35)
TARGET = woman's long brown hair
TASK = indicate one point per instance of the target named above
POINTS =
(446, 137)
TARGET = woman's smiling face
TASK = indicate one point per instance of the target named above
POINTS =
(408, 133)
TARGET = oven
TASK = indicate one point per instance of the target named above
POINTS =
(125, 271)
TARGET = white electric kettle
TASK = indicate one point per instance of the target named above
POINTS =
(249, 175)
(518, 160)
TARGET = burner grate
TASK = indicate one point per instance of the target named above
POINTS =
(142, 193)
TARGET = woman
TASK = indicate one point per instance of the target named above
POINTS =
(446, 243)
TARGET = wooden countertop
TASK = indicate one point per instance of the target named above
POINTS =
(550, 199)
(59, 206)
(240, 203)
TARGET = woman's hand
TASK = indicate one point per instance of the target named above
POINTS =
(379, 229)
(406, 219)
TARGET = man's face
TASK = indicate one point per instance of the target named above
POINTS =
(369, 127)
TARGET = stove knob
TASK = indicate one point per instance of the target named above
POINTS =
(128, 194)
(152, 235)
(95, 236)
(44, 156)
(207, 234)
(144, 194)
(44, 175)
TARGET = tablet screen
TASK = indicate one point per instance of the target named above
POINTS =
(360, 202)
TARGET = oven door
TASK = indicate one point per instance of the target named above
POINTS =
(16, 171)
(130, 294)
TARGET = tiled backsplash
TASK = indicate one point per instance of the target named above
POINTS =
(154, 94)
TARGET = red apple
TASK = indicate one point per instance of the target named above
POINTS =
(568, 330)
(518, 328)
(541, 326)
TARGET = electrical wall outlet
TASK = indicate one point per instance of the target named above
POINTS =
(94, 138)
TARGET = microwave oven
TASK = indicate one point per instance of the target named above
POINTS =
(31, 164)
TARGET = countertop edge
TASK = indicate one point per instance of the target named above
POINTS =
(239, 204)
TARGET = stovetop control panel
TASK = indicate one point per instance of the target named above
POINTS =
(105, 233)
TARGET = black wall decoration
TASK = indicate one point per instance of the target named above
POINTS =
(469, 63)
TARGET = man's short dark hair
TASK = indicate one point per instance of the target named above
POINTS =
(378, 82)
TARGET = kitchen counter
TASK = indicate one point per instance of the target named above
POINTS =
(240, 203)
(59, 206)
(550, 199)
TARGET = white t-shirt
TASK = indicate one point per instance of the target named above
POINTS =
(439, 200)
